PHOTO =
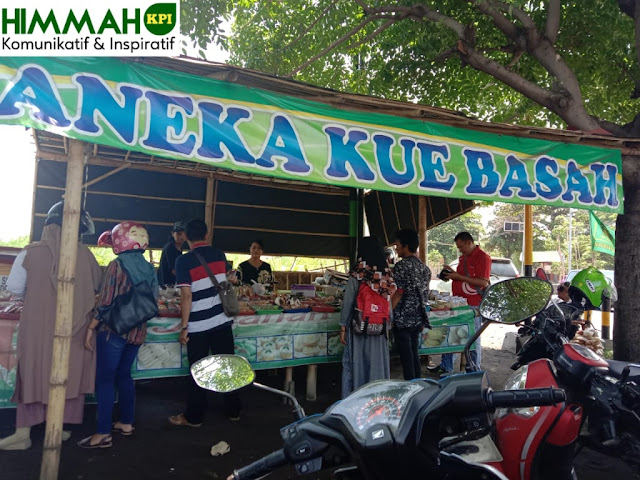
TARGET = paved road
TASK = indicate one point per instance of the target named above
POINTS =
(158, 450)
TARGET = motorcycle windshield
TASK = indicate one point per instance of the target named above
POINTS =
(383, 402)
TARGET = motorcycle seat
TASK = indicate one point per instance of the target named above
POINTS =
(616, 367)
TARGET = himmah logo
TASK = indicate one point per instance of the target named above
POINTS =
(118, 28)
(159, 19)
(374, 308)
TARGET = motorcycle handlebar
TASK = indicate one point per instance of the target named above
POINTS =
(262, 466)
(531, 397)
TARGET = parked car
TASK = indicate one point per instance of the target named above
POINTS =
(607, 273)
(501, 269)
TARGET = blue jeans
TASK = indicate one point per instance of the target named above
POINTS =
(115, 357)
(447, 358)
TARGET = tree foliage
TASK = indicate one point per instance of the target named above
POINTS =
(570, 63)
(495, 60)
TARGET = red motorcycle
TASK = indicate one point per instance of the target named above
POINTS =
(603, 404)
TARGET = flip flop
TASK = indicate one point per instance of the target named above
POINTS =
(180, 420)
(106, 442)
(123, 432)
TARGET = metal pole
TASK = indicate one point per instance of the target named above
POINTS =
(528, 240)
(570, 238)
(606, 319)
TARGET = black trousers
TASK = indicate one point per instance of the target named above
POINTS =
(408, 340)
(218, 340)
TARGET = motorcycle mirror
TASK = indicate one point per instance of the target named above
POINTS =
(512, 301)
(223, 373)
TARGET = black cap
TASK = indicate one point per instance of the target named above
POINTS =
(178, 227)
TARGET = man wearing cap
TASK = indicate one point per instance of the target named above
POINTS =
(170, 252)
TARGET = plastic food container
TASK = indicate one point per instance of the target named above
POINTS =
(306, 290)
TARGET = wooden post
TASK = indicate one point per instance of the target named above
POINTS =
(422, 228)
(208, 208)
(312, 376)
(64, 313)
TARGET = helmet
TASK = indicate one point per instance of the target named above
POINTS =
(125, 236)
(590, 287)
(178, 227)
(55, 216)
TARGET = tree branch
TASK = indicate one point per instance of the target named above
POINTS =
(308, 29)
(377, 31)
(335, 44)
(553, 21)
(499, 20)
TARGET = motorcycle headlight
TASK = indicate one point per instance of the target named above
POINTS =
(517, 381)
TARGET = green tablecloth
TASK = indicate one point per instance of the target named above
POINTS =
(267, 341)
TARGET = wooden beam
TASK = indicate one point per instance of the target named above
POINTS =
(64, 313)
(106, 175)
(289, 232)
(286, 209)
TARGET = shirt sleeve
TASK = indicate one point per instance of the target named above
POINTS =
(183, 277)
(17, 281)
(400, 275)
(484, 266)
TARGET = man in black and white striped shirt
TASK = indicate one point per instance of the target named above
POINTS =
(205, 327)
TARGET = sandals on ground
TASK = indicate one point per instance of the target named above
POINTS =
(180, 420)
(118, 428)
(105, 442)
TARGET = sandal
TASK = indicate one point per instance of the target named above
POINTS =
(106, 442)
(180, 420)
(118, 428)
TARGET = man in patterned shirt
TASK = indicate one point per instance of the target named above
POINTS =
(412, 278)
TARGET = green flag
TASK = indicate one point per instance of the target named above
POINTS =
(603, 239)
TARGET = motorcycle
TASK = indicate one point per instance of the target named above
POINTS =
(603, 410)
(392, 429)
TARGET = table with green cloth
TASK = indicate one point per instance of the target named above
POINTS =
(279, 340)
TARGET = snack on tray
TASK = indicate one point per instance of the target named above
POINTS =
(310, 345)
(458, 334)
(435, 337)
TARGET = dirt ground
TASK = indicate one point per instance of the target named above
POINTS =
(160, 450)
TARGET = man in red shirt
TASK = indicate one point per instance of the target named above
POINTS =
(469, 281)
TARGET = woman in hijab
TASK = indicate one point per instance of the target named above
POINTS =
(34, 276)
(365, 357)
(116, 352)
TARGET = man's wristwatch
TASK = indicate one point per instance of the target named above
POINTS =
(184, 328)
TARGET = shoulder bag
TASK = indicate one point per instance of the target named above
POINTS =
(228, 297)
(130, 309)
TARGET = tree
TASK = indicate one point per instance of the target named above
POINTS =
(441, 237)
(572, 63)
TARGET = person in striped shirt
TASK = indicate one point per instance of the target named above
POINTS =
(205, 328)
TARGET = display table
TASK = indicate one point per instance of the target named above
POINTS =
(281, 340)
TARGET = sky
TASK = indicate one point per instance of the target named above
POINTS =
(17, 161)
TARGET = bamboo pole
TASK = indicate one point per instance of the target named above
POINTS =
(422, 228)
(208, 208)
(64, 314)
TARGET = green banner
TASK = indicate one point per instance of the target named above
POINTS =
(128, 105)
(603, 238)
